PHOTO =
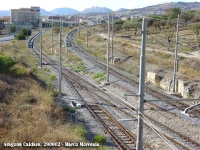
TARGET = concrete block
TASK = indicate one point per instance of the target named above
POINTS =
(154, 77)
(109, 58)
(181, 87)
(116, 59)
(166, 84)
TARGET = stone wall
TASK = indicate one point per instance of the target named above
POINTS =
(184, 88)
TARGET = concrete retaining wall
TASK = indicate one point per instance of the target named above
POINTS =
(183, 87)
(154, 77)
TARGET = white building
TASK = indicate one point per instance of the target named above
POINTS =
(25, 15)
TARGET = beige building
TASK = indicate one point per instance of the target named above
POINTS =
(25, 16)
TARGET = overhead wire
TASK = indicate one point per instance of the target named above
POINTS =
(174, 52)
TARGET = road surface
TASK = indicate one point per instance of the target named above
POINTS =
(6, 38)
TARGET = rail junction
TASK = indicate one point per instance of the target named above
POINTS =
(106, 106)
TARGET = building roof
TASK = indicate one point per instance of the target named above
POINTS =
(29, 9)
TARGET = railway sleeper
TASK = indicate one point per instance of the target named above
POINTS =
(105, 120)
(94, 107)
(124, 138)
(98, 111)
(127, 141)
(117, 131)
(114, 128)
(132, 145)
(120, 134)
(111, 124)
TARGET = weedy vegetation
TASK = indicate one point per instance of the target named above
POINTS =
(28, 109)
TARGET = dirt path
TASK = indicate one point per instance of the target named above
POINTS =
(195, 54)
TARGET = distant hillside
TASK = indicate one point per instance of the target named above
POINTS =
(96, 10)
(64, 11)
(122, 9)
(154, 9)
(159, 9)
(43, 12)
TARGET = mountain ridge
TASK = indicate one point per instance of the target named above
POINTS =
(159, 8)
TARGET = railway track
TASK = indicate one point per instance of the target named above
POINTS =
(126, 77)
(109, 101)
(122, 137)
(180, 105)
(105, 118)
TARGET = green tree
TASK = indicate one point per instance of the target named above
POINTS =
(187, 17)
(12, 28)
(135, 25)
(6, 63)
(156, 24)
(118, 27)
(128, 25)
(121, 22)
(195, 28)
(20, 36)
(2, 26)
(197, 39)
(173, 13)
(196, 19)
(26, 31)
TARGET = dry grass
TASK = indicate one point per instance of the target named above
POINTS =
(28, 112)
(124, 45)
(46, 42)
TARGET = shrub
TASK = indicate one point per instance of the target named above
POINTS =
(102, 148)
(20, 36)
(79, 130)
(79, 68)
(35, 70)
(6, 63)
(98, 75)
(66, 108)
(99, 139)
(129, 71)
(99, 39)
(26, 31)
(102, 78)
(47, 69)
(79, 41)
(73, 110)
(12, 29)
(52, 77)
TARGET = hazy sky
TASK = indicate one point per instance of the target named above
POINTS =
(80, 5)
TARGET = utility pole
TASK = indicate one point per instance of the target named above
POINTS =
(79, 27)
(112, 35)
(139, 144)
(52, 34)
(40, 42)
(60, 60)
(175, 57)
(87, 36)
(108, 49)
